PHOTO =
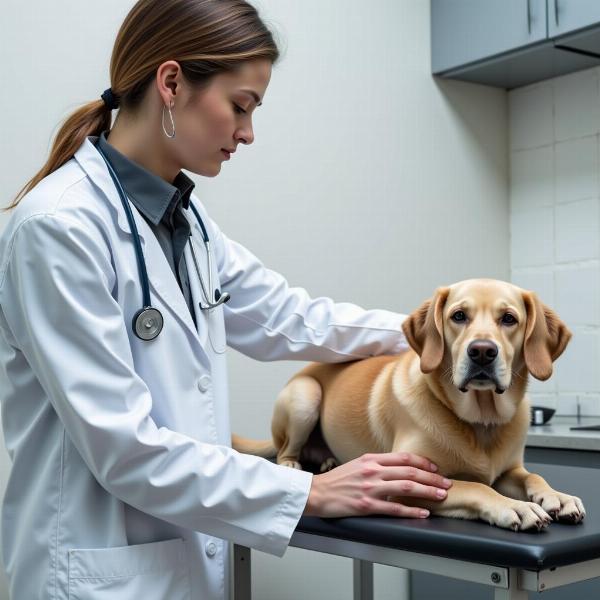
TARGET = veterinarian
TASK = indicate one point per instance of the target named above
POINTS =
(118, 296)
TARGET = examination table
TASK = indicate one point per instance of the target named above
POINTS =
(512, 564)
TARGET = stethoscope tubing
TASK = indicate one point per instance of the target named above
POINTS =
(134, 231)
(209, 300)
(204, 291)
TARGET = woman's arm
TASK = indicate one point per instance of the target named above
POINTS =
(267, 319)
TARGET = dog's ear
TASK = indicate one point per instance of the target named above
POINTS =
(424, 330)
(546, 337)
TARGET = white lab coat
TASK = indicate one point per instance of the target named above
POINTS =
(123, 484)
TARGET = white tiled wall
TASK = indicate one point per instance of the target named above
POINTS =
(555, 223)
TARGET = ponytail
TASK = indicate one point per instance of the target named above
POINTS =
(91, 119)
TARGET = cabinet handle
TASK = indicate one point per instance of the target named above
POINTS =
(556, 12)
(529, 16)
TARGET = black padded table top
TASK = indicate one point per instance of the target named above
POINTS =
(477, 541)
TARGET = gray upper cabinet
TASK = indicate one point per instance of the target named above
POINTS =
(566, 16)
(510, 43)
(465, 31)
(581, 19)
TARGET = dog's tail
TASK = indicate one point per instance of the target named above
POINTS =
(265, 449)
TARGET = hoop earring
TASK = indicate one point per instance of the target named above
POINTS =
(172, 122)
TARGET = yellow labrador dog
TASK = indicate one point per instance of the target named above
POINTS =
(457, 397)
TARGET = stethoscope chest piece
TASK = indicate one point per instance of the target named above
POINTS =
(147, 323)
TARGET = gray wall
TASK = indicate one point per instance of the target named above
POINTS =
(369, 181)
(555, 197)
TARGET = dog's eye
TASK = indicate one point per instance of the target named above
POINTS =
(459, 316)
(508, 319)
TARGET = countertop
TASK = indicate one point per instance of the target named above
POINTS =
(556, 434)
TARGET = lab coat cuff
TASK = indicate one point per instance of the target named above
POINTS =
(291, 509)
(397, 342)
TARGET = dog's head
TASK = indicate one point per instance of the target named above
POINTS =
(482, 332)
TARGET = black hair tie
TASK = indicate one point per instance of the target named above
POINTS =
(110, 99)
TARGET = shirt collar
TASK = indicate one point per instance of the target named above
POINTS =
(151, 194)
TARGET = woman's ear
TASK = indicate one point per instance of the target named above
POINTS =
(424, 330)
(546, 337)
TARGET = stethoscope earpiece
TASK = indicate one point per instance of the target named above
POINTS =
(222, 298)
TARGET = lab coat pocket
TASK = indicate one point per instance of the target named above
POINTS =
(216, 329)
(154, 571)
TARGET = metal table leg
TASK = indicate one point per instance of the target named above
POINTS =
(242, 580)
(363, 579)
(513, 592)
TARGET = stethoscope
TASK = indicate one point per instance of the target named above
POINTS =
(148, 321)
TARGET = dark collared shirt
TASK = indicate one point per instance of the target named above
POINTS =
(162, 205)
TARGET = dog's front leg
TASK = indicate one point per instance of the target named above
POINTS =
(474, 500)
(520, 483)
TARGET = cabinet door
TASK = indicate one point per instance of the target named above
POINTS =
(466, 31)
(565, 16)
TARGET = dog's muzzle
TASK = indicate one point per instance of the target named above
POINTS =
(482, 354)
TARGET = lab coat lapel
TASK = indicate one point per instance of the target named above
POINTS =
(161, 277)
(93, 164)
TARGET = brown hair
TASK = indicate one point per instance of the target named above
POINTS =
(205, 37)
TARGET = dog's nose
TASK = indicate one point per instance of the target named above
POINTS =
(482, 352)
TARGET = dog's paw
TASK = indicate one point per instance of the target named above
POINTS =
(518, 516)
(561, 507)
(328, 464)
(293, 464)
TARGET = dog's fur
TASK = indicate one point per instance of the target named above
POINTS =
(446, 399)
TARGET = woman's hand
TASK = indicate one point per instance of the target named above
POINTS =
(362, 486)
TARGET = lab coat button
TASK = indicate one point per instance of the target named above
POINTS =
(203, 383)
(211, 549)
